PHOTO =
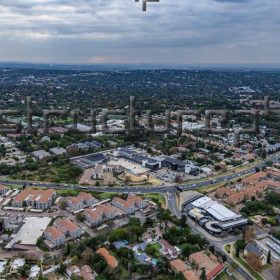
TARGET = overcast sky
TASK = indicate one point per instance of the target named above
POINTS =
(117, 31)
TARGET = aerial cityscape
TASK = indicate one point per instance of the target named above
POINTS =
(139, 143)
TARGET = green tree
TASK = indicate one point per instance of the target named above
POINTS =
(203, 275)
(183, 220)
(118, 234)
(188, 249)
(237, 251)
(97, 263)
(269, 257)
(62, 269)
(240, 244)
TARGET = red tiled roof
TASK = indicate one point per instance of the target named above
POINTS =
(129, 202)
(210, 275)
(99, 211)
(134, 198)
(255, 177)
(73, 200)
(178, 265)
(190, 275)
(87, 273)
(111, 260)
(235, 198)
(85, 196)
(105, 208)
(54, 233)
(35, 195)
(93, 214)
(224, 192)
(124, 203)
(65, 225)
(166, 245)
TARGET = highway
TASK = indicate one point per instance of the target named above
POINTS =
(143, 189)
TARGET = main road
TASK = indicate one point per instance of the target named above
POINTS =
(143, 189)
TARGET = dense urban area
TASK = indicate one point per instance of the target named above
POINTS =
(107, 202)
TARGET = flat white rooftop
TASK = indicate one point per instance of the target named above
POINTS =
(217, 210)
(32, 229)
(2, 266)
(202, 201)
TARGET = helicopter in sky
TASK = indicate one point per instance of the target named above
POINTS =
(144, 3)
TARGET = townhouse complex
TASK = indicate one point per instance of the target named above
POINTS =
(38, 199)
(83, 200)
(252, 186)
(61, 231)
(131, 204)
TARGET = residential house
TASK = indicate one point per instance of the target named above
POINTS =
(86, 145)
(16, 265)
(179, 266)
(253, 248)
(73, 270)
(34, 272)
(58, 151)
(41, 154)
(3, 268)
(207, 261)
(87, 273)
(169, 251)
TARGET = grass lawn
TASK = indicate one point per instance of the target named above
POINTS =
(254, 273)
(155, 247)
(225, 276)
(211, 187)
(67, 192)
(227, 248)
(15, 187)
(106, 195)
(158, 197)
(216, 186)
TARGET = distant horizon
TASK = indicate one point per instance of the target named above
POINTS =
(138, 66)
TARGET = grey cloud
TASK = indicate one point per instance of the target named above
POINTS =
(187, 31)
